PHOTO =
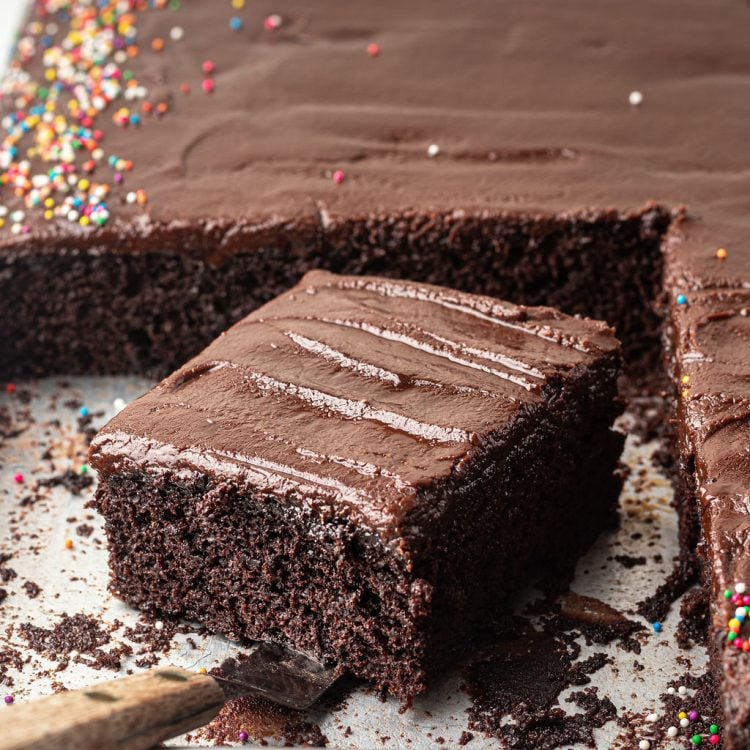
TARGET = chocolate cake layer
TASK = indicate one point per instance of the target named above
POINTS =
(341, 468)
(454, 121)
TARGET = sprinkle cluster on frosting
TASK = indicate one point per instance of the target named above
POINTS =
(741, 600)
(51, 153)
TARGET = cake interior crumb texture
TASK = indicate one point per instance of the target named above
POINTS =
(586, 155)
(351, 468)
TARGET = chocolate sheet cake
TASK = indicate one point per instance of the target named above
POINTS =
(351, 469)
(586, 155)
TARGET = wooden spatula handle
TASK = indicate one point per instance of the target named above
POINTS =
(133, 713)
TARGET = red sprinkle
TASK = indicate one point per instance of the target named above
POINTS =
(373, 49)
(11, 387)
(18, 478)
(338, 176)
(208, 67)
(208, 85)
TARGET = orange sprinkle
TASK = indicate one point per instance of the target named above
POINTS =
(721, 253)
(147, 107)
(68, 544)
(185, 88)
(162, 107)
(157, 44)
(133, 50)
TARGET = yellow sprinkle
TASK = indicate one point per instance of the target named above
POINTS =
(2, 223)
(203, 670)
(721, 253)
(49, 203)
(734, 624)
(685, 392)
(68, 544)
(50, 74)
(685, 379)
(682, 715)
(49, 215)
(238, 4)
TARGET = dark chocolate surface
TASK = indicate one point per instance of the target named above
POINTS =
(353, 393)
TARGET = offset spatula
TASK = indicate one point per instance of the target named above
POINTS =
(136, 713)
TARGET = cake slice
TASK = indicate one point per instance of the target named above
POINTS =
(365, 469)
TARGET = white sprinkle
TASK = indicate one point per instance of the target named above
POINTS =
(3, 210)
(176, 33)
(17, 216)
(644, 745)
(652, 717)
(120, 57)
(682, 690)
(16, 229)
(159, 625)
(684, 722)
(73, 654)
(635, 98)
(739, 588)
(740, 612)
(433, 150)
(671, 691)
(672, 732)
(119, 404)
(131, 197)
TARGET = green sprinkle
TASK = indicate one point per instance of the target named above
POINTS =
(696, 739)
(175, 4)
(727, 594)
(714, 729)
(84, 468)
(128, 75)
(731, 636)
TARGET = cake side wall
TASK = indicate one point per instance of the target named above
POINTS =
(151, 311)
(251, 568)
(549, 486)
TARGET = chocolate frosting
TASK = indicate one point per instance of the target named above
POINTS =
(353, 394)
(528, 103)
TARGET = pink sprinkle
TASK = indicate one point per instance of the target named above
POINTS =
(338, 176)
(746, 600)
(118, 178)
(738, 643)
(736, 599)
(208, 85)
(272, 22)
(373, 49)
(18, 478)
(714, 739)
(208, 67)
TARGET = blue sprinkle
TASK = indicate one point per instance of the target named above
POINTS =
(236, 23)
(657, 627)
(135, 119)
(681, 299)
(84, 412)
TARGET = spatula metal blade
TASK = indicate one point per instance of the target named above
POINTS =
(280, 674)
